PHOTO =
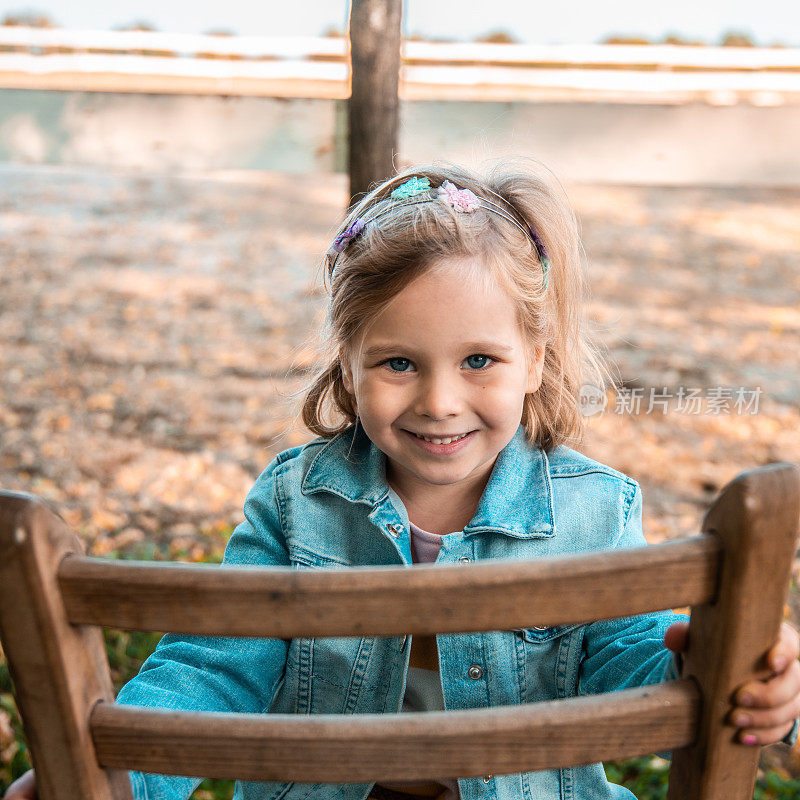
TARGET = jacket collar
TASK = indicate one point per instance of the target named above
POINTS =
(517, 499)
(350, 466)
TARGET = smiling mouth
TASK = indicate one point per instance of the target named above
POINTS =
(442, 439)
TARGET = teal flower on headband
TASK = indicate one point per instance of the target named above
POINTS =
(545, 272)
(411, 188)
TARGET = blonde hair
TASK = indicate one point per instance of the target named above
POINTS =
(401, 241)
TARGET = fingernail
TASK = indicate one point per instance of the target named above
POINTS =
(742, 720)
(746, 700)
(749, 739)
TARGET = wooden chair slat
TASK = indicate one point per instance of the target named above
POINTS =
(370, 747)
(388, 601)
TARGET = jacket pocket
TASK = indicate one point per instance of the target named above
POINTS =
(545, 634)
(548, 661)
(307, 559)
(340, 674)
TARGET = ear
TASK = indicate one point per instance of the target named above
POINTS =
(535, 366)
(347, 373)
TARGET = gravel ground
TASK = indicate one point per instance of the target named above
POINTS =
(154, 327)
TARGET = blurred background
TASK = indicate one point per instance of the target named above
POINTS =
(171, 173)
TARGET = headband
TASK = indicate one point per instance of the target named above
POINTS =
(418, 190)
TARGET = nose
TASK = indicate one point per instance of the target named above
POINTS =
(438, 397)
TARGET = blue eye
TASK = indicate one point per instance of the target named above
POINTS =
(477, 361)
(399, 364)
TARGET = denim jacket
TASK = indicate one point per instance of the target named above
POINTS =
(327, 504)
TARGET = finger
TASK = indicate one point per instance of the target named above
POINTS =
(676, 637)
(765, 718)
(786, 649)
(771, 693)
(24, 788)
(763, 736)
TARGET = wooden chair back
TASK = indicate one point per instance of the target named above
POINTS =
(54, 600)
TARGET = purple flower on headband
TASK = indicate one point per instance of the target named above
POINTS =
(538, 242)
(343, 240)
(462, 200)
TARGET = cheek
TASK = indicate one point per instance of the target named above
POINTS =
(502, 403)
(377, 401)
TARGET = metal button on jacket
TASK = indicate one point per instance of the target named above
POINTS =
(465, 559)
(394, 530)
(475, 672)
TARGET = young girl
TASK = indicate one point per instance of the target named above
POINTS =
(457, 353)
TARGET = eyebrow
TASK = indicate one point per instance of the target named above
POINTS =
(472, 347)
(489, 347)
(381, 350)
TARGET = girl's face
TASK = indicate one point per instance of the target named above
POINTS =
(440, 379)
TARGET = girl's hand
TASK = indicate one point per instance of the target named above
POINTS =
(765, 710)
(23, 788)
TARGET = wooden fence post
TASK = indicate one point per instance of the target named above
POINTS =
(374, 106)
(60, 670)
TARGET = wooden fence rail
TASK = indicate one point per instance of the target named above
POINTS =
(297, 66)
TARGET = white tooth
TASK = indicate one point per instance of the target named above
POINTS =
(447, 440)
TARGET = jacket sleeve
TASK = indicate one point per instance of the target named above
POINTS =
(198, 673)
(629, 652)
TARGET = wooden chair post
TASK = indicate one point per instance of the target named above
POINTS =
(60, 671)
(756, 518)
